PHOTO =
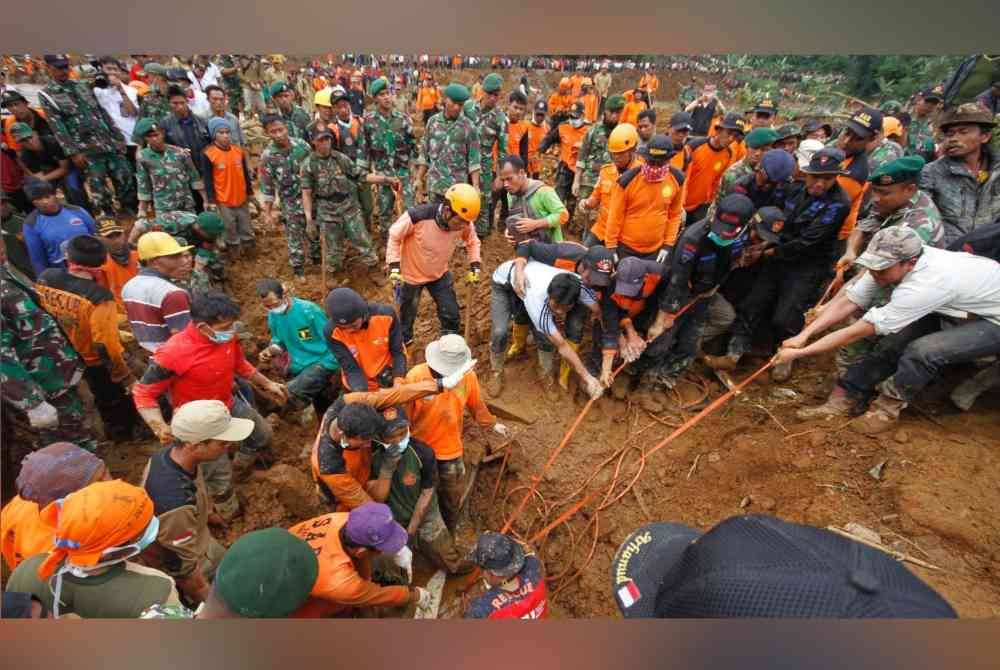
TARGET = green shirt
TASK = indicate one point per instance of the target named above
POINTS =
(415, 473)
(123, 592)
(299, 331)
(546, 203)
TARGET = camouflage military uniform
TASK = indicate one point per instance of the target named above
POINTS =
(298, 121)
(208, 271)
(492, 126)
(593, 156)
(885, 152)
(389, 147)
(167, 179)
(920, 214)
(232, 84)
(279, 176)
(38, 363)
(450, 150)
(333, 181)
(154, 105)
(82, 126)
(920, 138)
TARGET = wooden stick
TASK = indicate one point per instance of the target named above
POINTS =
(468, 309)
(694, 466)
(898, 555)
(774, 418)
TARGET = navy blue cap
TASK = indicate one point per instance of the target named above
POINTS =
(778, 164)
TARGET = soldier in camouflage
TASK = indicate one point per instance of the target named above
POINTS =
(39, 369)
(204, 232)
(885, 151)
(920, 133)
(594, 154)
(296, 119)
(280, 169)
(758, 141)
(165, 173)
(154, 105)
(389, 147)
(449, 149)
(329, 186)
(232, 83)
(89, 136)
(491, 122)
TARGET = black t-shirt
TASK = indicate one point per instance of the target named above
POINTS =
(45, 160)
(701, 118)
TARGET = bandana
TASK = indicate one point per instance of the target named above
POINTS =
(655, 173)
(97, 274)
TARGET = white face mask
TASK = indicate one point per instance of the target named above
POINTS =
(280, 309)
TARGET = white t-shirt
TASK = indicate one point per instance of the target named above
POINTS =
(210, 78)
(110, 99)
(952, 283)
(537, 277)
(199, 105)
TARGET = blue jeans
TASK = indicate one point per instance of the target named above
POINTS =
(260, 438)
(310, 384)
(504, 305)
(915, 355)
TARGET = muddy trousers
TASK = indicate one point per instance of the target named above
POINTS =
(910, 359)
(451, 486)
(437, 544)
(118, 413)
(442, 290)
(505, 306)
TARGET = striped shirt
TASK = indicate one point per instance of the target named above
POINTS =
(156, 308)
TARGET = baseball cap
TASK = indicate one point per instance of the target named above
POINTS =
(344, 305)
(157, 243)
(658, 149)
(806, 150)
(107, 226)
(201, 420)
(601, 264)
(630, 276)
(825, 161)
(447, 354)
(323, 133)
(732, 215)
(371, 525)
(576, 110)
(681, 120)
(731, 122)
(541, 106)
(813, 126)
(766, 106)
(865, 122)
(760, 566)
(768, 222)
(890, 246)
(10, 96)
(266, 574)
(57, 60)
(778, 164)
(498, 553)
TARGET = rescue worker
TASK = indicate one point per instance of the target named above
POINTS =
(859, 131)
(420, 245)
(569, 136)
(122, 263)
(594, 151)
(622, 143)
(635, 103)
(427, 99)
(709, 159)
(537, 131)
(926, 284)
(390, 147)
(491, 123)
(645, 123)
(449, 149)
(88, 314)
(644, 215)
(534, 207)
(788, 138)
(591, 103)
(184, 546)
(366, 339)
(560, 102)
(515, 580)
(229, 186)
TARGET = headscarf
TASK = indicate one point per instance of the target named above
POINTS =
(55, 471)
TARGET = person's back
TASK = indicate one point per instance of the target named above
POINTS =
(44, 234)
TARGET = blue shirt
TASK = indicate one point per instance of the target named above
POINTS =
(299, 331)
(44, 235)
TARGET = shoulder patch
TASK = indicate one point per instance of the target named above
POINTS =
(694, 144)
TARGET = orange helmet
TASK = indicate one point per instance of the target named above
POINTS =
(565, 83)
(141, 87)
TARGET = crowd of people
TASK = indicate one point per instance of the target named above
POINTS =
(670, 231)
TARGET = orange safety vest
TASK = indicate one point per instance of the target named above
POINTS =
(427, 97)
(370, 347)
(633, 306)
(535, 136)
(590, 106)
(570, 139)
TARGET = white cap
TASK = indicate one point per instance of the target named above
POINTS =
(201, 420)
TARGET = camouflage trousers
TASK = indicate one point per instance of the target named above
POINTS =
(339, 222)
(73, 423)
(484, 222)
(101, 167)
(367, 201)
(387, 197)
(295, 234)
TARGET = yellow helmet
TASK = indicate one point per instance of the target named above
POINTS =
(464, 201)
(156, 244)
(623, 138)
(322, 98)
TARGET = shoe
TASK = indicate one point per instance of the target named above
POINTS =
(965, 394)
(782, 372)
(565, 368)
(724, 362)
(882, 416)
(838, 404)
(494, 387)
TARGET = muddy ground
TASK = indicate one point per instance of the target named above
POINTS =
(936, 499)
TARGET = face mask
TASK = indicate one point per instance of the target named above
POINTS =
(280, 309)
(222, 336)
(721, 241)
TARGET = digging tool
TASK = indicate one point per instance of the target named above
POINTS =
(435, 586)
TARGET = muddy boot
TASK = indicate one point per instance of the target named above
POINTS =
(234, 252)
(565, 367)
(724, 362)
(647, 399)
(622, 385)
(546, 368)
(838, 404)
(519, 346)
(494, 387)
(883, 415)
(782, 372)
(965, 394)
(227, 505)
(243, 466)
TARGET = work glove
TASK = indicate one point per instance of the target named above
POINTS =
(451, 381)
(663, 255)
(270, 352)
(395, 276)
(423, 597)
(616, 258)
(594, 388)
(404, 560)
(43, 416)
(473, 276)
(501, 430)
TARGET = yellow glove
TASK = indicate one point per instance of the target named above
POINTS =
(473, 276)
(395, 276)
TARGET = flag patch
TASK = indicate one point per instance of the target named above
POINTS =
(629, 594)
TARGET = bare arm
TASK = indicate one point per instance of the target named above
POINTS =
(419, 510)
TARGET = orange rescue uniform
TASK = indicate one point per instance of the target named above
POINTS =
(644, 216)
(590, 106)
(437, 419)
(116, 275)
(23, 534)
(704, 173)
(601, 195)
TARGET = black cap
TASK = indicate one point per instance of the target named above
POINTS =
(576, 110)
(681, 120)
(323, 132)
(344, 305)
(825, 161)
(500, 554)
(58, 61)
(762, 567)
(813, 126)
(658, 149)
(865, 122)
(540, 106)
(768, 222)
(601, 264)
(931, 94)
(37, 188)
(86, 250)
(10, 96)
(732, 215)
(731, 122)
(177, 74)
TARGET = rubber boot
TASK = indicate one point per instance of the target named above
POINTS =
(519, 346)
(227, 505)
(243, 466)
(883, 415)
(494, 387)
(838, 404)
(724, 362)
(965, 394)
(564, 366)
(546, 367)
